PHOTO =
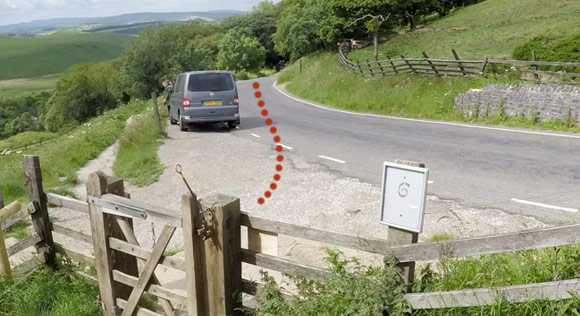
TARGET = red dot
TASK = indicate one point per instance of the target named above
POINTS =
(261, 103)
(277, 139)
(261, 201)
(279, 168)
(280, 158)
(268, 121)
(273, 186)
(256, 85)
(258, 94)
(279, 148)
(264, 112)
(267, 194)
(277, 177)
(273, 130)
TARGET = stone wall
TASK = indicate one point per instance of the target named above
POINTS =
(532, 101)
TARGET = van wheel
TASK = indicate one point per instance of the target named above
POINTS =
(233, 124)
(171, 120)
(182, 124)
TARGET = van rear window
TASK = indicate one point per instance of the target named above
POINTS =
(210, 82)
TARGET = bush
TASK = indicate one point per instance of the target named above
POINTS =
(240, 52)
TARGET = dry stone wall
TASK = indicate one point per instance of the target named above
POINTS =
(541, 102)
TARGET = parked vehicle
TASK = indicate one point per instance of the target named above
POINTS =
(204, 97)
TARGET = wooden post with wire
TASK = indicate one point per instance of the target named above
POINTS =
(156, 113)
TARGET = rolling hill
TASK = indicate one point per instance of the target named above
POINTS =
(39, 56)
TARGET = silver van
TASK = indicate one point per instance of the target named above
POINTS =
(204, 97)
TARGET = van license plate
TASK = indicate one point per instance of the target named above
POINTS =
(213, 102)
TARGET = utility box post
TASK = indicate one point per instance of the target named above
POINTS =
(223, 255)
(402, 206)
(40, 221)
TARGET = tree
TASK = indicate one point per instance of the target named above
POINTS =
(298, 29)
(240, 52)
(373, 25)
(81, 93)
(410, 10)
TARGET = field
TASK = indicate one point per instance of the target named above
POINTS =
(34, 57)
(492, 28)
(17, 87)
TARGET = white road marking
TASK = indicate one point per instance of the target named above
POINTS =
(426, 121)
(332, 159)
(256, 135)
(573, 210)
(284, 146)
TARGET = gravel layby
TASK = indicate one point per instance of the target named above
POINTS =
(216, 159)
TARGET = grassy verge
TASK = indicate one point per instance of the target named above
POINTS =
(137, 160)
(43, 292)
(246, 75)
(428, 97)
(25, 138)
(61, 158)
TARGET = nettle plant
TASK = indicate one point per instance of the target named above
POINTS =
(349, 289)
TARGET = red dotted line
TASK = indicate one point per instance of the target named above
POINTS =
(277, 139)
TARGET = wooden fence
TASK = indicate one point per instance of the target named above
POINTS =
(214, 256)
(526, 70)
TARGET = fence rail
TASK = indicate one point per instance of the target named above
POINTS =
(456, 67)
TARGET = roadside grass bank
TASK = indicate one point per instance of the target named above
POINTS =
(248, 75)
(26, 138)
(423, 97)
(61, 158)
(492, 28)
(43, 292)
(19, 87)
(361, 290)
(137, 160)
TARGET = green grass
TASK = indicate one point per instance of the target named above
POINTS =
(25, 138)
(60, 159)
(137, 160)
(439, 237)
(53, 54)
(43, 292)
(492, 28)
(19, 230)
(20, 87)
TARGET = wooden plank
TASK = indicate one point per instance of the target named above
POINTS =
(9, 210)
(68, 203)
(252, 288)
(370, 69)
(148, 269)
(129, 235)
(430, 63)
(74, 255)
(198, 301)
(154, 213)
(40, 221)
(143, 253)
(460, 65)
(154, 289)
(32, 263)
(533, 63)
(553, 73)
(282, 265)
(536, 76)
(407, 62)
(69, 232)
(359, 68)
(380, 66)
(223, 255)
(24, 243)
(26, 211)
(4, 257)
(96, 185)
(555, 290)
(140, 311)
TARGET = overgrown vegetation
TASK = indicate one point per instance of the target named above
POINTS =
(43, 292)
(137, 160)
(564, 49)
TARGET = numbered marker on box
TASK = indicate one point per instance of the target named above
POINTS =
(404, 194)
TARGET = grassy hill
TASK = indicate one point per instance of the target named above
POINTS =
(39, 56)
(492, 28)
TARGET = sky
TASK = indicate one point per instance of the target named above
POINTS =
(16, 11)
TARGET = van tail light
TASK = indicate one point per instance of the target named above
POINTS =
(236, 101)
(186, 103)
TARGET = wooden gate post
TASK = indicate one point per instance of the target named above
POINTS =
(197, 300)
(103, 227)
(40, 221)
(397, 236)
(223, 255)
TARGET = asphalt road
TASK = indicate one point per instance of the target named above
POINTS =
(535, 173)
